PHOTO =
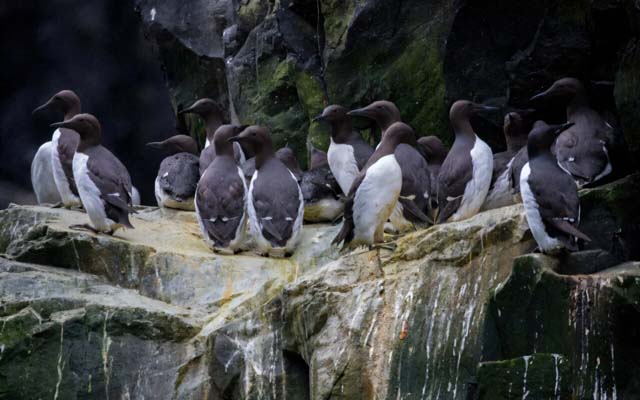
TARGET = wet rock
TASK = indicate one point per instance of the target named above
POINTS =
(538, 376)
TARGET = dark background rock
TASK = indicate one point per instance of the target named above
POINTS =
(97, 49)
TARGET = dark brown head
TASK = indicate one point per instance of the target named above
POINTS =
(432, 149)
(203, 107)
(384, 112)
(398, 133)
(516, 127)
(87, 126)
(565, 89)
(333, 114)
(461, 112)
(258, 139)
(288, 157)
(542, 137)
(223, 138)
(177, 144)
(65, 102)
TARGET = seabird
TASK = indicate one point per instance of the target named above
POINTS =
(175, 185)
(435, 152)
(582, 149)
(221, 196)
(348, 152)
(516, 128)
(465, 175)
(209, 111)
(413, 206)
(275, 204)
(375, 191)
(284, 154)
(62, 148)
(549, 194)
(323, 200)
(103, 181)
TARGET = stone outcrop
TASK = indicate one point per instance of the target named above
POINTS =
(456, 311)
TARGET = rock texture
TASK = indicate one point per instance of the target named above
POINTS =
(279, 63)
(445, 312)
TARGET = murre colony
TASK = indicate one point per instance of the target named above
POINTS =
(248, 195)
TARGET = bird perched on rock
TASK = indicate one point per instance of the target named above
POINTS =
(375, 191)
(516, 129)
(413, 206)
(274, 202)
(348, 152)
(320, 190)
(465, 175)
(549, 194)
(53, 164)
(435, 152)
(582, 149)
(178, 175)
(209, 111)
(221, 196)
(103, 181)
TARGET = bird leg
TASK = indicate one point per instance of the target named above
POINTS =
(86, 227)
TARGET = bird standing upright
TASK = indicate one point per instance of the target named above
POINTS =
(465, 175)
(103, 181)
(375, 191)
(274, 202)
(549, 194)
(62, 149)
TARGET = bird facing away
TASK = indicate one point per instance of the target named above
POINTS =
(348, 152)
(60, 159)
(435, 152)
(581, 150)
(549, 194)
(413, 206)
(517, 125)
(209, 111)
(274, 203)
(221, 196)
(103, 181)
(323, 199)
(375, 191)
(465, 175)
(175, 184)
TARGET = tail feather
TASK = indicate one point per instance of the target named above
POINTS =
(568, 228)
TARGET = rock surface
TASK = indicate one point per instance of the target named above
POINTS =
(443, 313)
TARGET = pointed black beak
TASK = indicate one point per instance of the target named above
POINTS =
(539, 96)
(561, 128)
(62, 124)
(358, 112)
(43, 107)
(234, 139)
(318, 118)
(188, 110)
(155, 145)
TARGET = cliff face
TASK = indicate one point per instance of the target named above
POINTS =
(278, 63)
(456, 311)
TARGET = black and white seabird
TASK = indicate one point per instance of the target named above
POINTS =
(516, 128)
(375, 191)
(348, 152)
(465, 175)
(221, 196)
(414, 206)
(435, 152)
(175, 185)
(209, 111)
(549, 194)
(63, 146)
(323, 200)
(582, 149)
(275, 204)
(103, 181)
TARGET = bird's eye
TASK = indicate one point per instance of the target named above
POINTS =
(253, 134)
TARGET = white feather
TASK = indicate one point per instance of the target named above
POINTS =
(42, 176)
(343, 165)
(545, 242)
(62, 183)
(478, 186)
(375, 198)
(500, 194)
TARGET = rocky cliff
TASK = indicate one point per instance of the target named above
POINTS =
(456, 311)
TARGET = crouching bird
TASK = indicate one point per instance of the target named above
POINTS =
(375, 191)
(221, 196)
(274, 200)
(549, 194)
(103, 181)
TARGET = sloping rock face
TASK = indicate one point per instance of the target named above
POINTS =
(278, 63)
(444, 312)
